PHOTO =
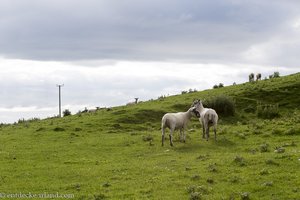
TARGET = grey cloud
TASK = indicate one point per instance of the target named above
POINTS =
(206, 31)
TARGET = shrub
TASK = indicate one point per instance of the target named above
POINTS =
(276, 75)
(240, 161)
(215, 86)
(195, 196)
(245, 196)
(271, 162)
(223, 105)
(66, 112)
(57, 129)
(264, 148)
(267, 111)
(147, 138)
(184, 92)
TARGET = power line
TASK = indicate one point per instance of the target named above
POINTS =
(59, 98)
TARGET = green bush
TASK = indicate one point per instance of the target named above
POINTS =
(223, 105)
(267, 111)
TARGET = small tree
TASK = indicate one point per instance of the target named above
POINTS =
(276, 75)
(221, 85)
(66, 112)
(215, 87)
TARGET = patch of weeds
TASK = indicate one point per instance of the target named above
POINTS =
(267, 111)
(198, 188)
(240, 161)
(58, 129)
(268, 184)
(241, 135)
(82, 197)
(147, 192)
(147, 138)
(188, 169)
(257, 132)
(264, 148)
(212, 167)
(234, 179)
(117, 126)
(245, 196)
(195, 178)
(99, 196)
(40, 129)
(271, 162)
(223, 131)
(106, 185)
(77, 129)
(203, 157)
(295, 190)
(77, 187)
(279, 150)
(74, 135)
(210, 181)
(252, 151)
(264, 172)
(195, 196)
(277, 131)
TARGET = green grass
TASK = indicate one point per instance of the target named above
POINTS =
(117, 154)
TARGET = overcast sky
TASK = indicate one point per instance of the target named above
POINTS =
(106, 52)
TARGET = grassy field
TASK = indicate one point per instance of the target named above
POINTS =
(117, 153)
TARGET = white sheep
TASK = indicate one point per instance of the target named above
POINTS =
(208, 118)
(175, 121)
(92, 110)
(133, 103)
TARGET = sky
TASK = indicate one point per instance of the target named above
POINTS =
(106, 53)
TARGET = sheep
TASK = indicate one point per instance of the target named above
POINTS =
(251, 77)
(92, 110)
(133, 103)
(208, 118)
(175, 121)
(258, 76)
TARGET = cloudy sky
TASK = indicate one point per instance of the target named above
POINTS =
(106, 52)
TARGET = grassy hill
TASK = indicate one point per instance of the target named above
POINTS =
(117, 153)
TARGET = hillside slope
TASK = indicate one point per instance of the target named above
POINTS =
(117, 153)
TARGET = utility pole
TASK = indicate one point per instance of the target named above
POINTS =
(59, 98)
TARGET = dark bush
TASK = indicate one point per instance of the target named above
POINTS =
(66, 112)
(215, 86)
(223, 105)
(221, 85)
(276, 75)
